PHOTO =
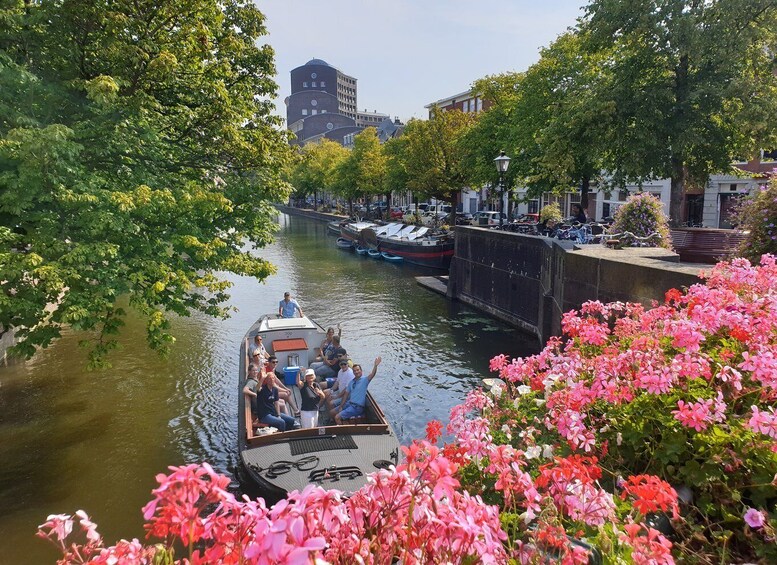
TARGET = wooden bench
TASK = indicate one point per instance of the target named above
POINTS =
(704, 245)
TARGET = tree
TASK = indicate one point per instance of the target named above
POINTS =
(396, 178)
(433, 161)
(678, 71)
(138, 155)
(493, 131)
(363, 172)
(316, 167)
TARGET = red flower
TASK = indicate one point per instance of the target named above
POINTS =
(433, 431)
(651, 494)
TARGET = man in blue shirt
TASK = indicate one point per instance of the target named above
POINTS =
(355, 396)
(288, 306)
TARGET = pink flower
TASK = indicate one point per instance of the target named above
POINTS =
(763, 421)
(755, 518)
(696, 415)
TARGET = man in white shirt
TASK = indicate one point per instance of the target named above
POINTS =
(334, 396)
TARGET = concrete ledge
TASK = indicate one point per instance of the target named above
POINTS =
(435, 284)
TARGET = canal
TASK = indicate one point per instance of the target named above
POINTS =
(75, 439)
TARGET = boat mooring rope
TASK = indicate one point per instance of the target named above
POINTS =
(278, 468)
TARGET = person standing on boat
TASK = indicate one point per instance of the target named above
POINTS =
(311, 395)
(355, 397)
(268, 409)
(288, 306)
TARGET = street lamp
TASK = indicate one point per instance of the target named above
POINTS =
(502, 162)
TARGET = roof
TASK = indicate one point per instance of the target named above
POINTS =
(318, 62)
(445, 101)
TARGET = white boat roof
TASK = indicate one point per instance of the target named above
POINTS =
(418, 233)
(362, 225)
(275, 324)
(404, 231)
(394, 228)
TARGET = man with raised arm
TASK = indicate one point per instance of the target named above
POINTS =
(355, 396)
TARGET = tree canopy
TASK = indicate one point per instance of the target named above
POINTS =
(137, 156)
(685, 80)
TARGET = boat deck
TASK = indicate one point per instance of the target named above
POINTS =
(331, 468)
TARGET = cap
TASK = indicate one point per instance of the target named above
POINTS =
(310, 372)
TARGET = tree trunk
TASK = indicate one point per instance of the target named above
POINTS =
(388, 205)
(585, 187)
(350, 207)
(315, 200)
(679, 175)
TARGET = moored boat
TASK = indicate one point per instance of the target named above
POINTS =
(333, 227)
(415, 244)
(331, 456)
(391, 257)
(374, 253)
(344, 243)
(361, 250)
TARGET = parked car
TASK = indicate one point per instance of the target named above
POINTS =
(397, 213)
(463, 218)
(528, 219)
(486, 218)
(434, 218)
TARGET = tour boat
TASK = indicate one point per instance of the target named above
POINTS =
(414, 244)
(334, 457)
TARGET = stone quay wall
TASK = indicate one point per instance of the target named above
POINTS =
(530, 281)
(308, 213)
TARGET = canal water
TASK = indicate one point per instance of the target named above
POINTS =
(75, 439)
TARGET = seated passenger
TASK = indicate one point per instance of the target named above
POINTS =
(254, 377)
(256, 350)
(268, 409)
(326, 345)
(284, 392)
(355, 397)
(311, 395)
(328, 368)
(334, 394)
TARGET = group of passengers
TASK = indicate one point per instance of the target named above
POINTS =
(333, 383)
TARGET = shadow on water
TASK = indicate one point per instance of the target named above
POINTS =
(95, 440)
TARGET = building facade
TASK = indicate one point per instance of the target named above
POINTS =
(323, 104)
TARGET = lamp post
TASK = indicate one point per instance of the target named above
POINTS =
(502, 162)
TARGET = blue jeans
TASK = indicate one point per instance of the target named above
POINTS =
(325, 371)
(282, 422)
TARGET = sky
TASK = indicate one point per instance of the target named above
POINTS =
(406, 54)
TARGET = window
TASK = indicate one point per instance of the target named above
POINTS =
(323, 84)
(314, 102)
(314, 112)
(313, 84)
(479, 105)
(304, 112)
(323, 111)
(304, 85)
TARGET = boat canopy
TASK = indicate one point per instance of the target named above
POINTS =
(404, 231)
(418, 233)
(270, 324)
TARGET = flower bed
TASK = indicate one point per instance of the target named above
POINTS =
(647, 435)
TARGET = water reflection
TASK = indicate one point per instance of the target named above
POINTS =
(94, 440)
